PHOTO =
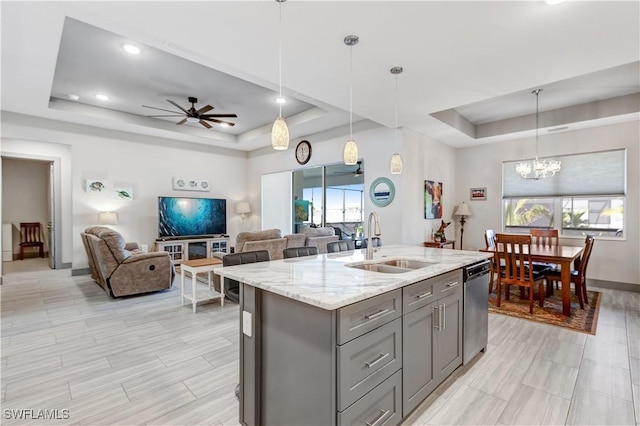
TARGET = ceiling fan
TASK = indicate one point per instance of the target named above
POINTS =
(358, 172)
(192, 115)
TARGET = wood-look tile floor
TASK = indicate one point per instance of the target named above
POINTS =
(147, 360)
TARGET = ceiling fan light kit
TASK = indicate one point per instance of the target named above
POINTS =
(280, 130)
(194, 116)
(350, 153)
(395, 164)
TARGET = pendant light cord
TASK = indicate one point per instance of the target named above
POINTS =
(396, 107)
(280, 54)
(351, 92)
(537, 92)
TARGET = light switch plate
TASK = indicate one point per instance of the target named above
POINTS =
(247, 328)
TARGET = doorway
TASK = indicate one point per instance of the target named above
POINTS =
(27, 196)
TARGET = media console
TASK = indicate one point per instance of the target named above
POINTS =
(192, 248)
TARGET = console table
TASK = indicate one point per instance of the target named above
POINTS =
(193, 248)
(440, 244)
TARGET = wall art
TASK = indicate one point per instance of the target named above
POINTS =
(189, 184)
(432, 199)
(96, 186)
(478, 194)
(123, 193)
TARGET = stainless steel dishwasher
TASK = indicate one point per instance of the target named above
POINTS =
(476, 309)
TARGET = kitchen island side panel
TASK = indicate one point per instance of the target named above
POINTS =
(298, 373)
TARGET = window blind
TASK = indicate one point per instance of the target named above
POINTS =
(594, 173)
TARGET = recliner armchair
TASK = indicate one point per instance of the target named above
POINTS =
(122, 269)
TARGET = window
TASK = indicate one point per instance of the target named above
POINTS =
(586, 196)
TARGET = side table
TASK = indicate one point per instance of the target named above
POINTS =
(195, 267)
(440, 244)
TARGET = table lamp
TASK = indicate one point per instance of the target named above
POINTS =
(463, 211)
(243, 208)
(108, 218)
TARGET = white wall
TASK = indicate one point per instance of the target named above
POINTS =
(402, 221)
(24, 198)
(134, 162)
(481, 166)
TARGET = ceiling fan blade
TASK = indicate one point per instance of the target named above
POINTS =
(160, 109)
(204, 109)
(177, 106)
(205, 124)
(218, 121)
(182, 121)
(218, 115)
(174, 115)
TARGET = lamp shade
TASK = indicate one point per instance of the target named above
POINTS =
(350, 153)
(280, 134)
(243, 207)
(108, 218)
(395, 165)
(462, 210)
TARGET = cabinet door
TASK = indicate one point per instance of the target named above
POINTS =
(418, 374)
(448, 336)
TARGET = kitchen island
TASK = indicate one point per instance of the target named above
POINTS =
(337, 339)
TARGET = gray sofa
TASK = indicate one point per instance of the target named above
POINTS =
(122, 269)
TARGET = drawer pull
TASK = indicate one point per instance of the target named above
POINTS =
(423, 295)
(436, 323)
(452, 284)
(376, 315)
(382, 415)
(444, 316)
(373, 363)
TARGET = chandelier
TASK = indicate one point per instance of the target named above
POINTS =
(538, 169)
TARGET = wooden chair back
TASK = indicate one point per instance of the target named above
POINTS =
(545, 237)
(515, 249)
(490, 238)
(30, 232)
(584, 259)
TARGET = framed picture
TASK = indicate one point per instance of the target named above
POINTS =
(96, 186)
(478, 194)
(432, 199)
(123, 193)
(301, 210)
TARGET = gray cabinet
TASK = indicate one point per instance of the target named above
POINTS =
(432, 336)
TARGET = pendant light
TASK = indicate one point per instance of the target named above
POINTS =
(280, 131)
(350, 153)
(395, 165)
(538, 169)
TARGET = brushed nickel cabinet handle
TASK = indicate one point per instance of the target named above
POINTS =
(373, 363)
(382, 415)
(423, 295)
(436, 323)
(376, 315)
(452, 284)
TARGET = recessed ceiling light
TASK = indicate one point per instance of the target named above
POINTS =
(552, 2)
(102, 97)
(281, 100)
(130, 48)
(73, 97)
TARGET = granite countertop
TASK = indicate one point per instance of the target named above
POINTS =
(326, 282)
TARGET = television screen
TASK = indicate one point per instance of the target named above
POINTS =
(185, 217)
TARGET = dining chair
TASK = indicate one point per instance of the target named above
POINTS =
(515, 249)
(290, 252)
(579, 275)
(30, 236)
(490, 242)
(544, 237)
(340, 245)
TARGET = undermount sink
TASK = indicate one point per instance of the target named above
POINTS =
(395, 266)
(407, 264)
(379, 267)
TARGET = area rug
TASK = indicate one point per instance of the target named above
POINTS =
(583, 320)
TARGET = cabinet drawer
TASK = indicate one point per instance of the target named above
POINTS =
(417, 295)
(448, 283)
(359, 318)
(380, 407)
(367, 361)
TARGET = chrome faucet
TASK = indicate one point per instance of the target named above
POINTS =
(372, 215)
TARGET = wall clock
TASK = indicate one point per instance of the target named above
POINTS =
(303, 152)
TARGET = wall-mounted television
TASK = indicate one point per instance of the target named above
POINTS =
(191, 217)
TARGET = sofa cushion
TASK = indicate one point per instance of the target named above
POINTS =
(275, 247)
(295, 240)
(267, 234)
(115, 242)
(323, 231)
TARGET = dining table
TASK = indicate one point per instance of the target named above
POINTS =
(561, 255)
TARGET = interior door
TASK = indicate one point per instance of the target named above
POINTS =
(50, 227)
